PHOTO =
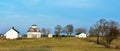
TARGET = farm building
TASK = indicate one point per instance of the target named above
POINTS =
(82, 35)
(50, 35)
(12, 34)
(33, 32)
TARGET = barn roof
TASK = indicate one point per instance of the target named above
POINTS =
(15, 30)
(34, 25)
(34, 29)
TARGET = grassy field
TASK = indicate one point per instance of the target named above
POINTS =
(53, 44)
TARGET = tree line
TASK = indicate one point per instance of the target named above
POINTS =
(59, 31)
(105, 31)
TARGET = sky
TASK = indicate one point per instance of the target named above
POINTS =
(48, 13)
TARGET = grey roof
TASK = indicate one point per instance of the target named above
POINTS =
(15, 30)
(34, 25)
(33, 29)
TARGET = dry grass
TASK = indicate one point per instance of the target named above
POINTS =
(53, 44)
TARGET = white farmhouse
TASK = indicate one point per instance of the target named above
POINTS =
(50, 35)
(82, 35)
(33, 32)
(12, 34)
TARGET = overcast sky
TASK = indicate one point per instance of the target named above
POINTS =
(48, 13)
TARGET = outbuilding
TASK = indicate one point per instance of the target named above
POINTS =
(82, 35)
(12, 34)
(50, 35)
(33, 32)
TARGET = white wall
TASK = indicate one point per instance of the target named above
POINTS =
(11, 34)
(50, 35)
(82, 35)
(33, 35)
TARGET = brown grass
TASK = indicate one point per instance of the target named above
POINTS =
(53, 44)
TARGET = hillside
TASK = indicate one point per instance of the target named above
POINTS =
(59, 44)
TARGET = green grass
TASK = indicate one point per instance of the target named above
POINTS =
(53, 44)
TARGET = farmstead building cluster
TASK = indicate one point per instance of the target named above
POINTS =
(33, 32)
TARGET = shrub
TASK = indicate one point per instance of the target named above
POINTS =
(117, 47)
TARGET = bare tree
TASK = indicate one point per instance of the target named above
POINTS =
(69, 29)
(80, 30)
(65, 30)
(48, 30)
(92, 31)
(58, 30)
(112, 32)
(99, 30)
(108, 30)
(44, 32)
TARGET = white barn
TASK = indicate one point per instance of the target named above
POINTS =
(50, 35)
(33, 32)
(12, 34)
(82, 35)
